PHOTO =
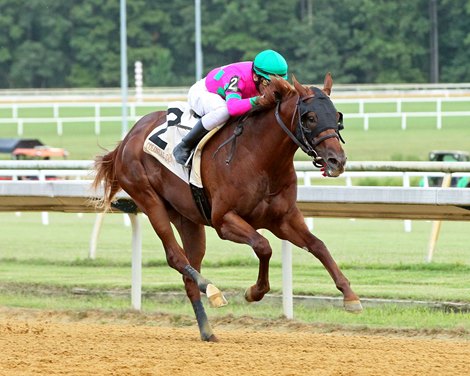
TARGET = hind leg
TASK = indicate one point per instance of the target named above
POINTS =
(194, 244)
(154, 207)
(189, 266)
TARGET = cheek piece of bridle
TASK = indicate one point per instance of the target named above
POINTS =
(305, 137)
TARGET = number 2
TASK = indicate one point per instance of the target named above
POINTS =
(233, 85)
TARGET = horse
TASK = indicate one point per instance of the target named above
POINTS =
(249, 181)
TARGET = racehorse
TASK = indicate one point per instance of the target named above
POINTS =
(250, 183)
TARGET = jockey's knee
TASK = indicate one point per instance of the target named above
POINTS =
(215, 117)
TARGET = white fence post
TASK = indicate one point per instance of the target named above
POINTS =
(95, 234)
(60, 129)
(97, 120)
(20, 127)
(136, 293)
(406, 184)
(361, 106)
(44, 215)
(439, 113)
(287, 295)
(56, 110)
(138, 71)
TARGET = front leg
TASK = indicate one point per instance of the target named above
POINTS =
(233, 227)
(293, 229)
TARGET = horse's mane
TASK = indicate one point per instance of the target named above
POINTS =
(276, 90)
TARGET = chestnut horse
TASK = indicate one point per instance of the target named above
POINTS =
(249, 183)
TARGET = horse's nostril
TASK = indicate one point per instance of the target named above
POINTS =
(333, 162)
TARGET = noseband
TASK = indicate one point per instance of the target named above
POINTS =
(301, 131)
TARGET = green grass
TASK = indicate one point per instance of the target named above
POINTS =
(380, 261)
(41, 266)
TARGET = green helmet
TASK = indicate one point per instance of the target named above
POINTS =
(270, 63)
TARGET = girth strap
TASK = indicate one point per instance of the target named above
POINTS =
(202, 203)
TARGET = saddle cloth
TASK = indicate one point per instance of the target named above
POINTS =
(162, 140)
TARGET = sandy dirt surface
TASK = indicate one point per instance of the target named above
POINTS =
(93, 343)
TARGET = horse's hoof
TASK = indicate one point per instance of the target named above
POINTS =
(353, 306)
(248, 296)
(215, 296)
(212, 338)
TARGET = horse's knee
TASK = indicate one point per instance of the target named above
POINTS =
(262, 248)
(173, 259)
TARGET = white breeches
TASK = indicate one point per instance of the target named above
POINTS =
(210, 106)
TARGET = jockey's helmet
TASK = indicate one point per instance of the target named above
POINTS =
(270, 63)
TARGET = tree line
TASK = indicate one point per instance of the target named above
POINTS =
(56, 43)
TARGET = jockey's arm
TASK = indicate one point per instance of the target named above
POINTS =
(233, 96)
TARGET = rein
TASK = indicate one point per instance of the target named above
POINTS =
(233, 139)
(299, 138)
(306, 147)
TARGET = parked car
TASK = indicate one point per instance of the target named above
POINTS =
(28, 149)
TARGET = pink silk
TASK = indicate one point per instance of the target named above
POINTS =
(218, 82)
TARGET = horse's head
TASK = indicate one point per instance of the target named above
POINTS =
(315, 123)
(318, 127)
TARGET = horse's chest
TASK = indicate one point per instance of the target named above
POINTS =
(269, 205)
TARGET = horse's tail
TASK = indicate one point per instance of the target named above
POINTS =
(106, 175)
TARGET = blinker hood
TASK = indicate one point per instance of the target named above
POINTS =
(324, 108)
(326, 113)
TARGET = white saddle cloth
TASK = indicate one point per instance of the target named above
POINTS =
(162, 140)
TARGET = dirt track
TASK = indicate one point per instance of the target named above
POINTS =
(61, 343)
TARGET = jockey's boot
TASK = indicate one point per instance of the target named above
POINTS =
(183, 150)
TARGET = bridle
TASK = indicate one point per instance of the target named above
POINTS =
(306, 138)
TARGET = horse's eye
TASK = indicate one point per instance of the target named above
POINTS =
(312, 118)
(309, 120)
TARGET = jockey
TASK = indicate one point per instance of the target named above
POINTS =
(231, 90)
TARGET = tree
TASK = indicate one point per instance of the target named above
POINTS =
(454, 40)
(33, 52)
(53, 43)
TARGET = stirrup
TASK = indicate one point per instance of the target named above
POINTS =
(182, 154)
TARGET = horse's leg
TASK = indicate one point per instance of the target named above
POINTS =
(154, 207)
(194, 243)
(293, 229)
(234, 228)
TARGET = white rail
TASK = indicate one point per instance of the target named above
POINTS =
(404, 116)
(402, 166)
(59, 118)
(98, 120)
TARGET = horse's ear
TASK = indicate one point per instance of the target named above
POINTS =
(327, 84)
(298, 87)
